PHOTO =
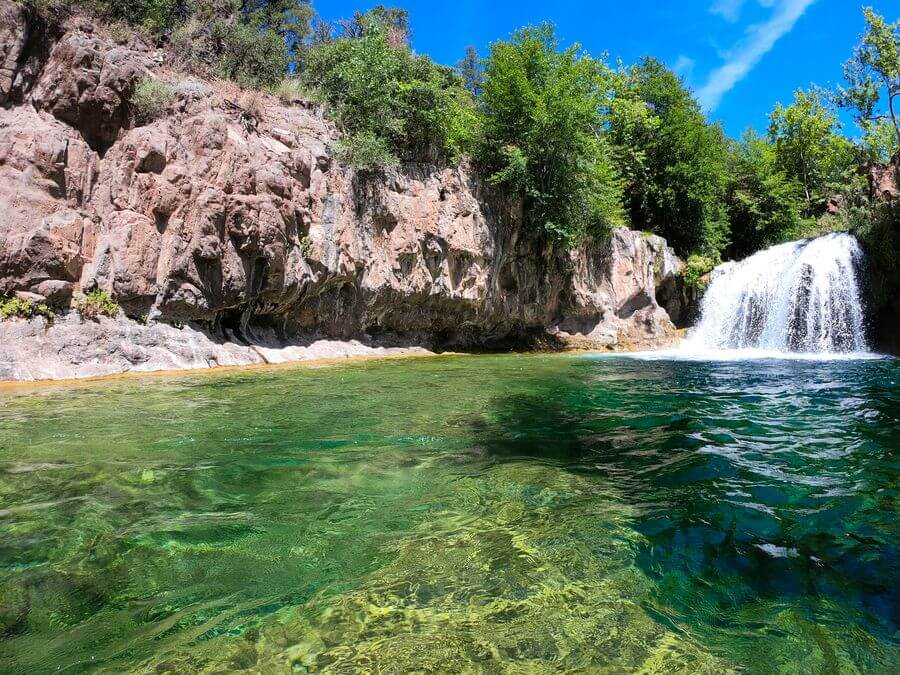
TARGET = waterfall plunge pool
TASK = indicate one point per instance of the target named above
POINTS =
(483, 513)
(692, 351)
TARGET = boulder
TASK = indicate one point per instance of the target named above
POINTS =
(87, 83)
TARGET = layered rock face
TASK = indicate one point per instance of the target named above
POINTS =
(882, 280)
(231, 215)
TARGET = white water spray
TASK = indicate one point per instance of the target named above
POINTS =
(796, 297)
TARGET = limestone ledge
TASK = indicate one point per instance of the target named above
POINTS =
(71, 348)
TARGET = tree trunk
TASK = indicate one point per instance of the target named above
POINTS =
(891, 96)
(805, 181)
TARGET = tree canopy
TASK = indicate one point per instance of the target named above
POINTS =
(764, 203)
(873, 72)
(542, 133)
(809, 147)
(674, 161)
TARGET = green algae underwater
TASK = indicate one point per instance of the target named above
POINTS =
(456, 514)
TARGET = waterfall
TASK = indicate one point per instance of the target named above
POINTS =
(801, 296)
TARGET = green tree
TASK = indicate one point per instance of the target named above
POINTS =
(808, 147)
(632, 128)
(878, 142)
(390, 103)
(322, 31)
(543, 133)
(470, 70)
(250, 56)
(673, 162)
(289, 19)
(873, 70)
(393, 20)
(763, 203)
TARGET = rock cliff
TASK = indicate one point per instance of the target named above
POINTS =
(229, 216)
(879, 236)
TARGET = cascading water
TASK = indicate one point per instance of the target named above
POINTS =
(801, 296)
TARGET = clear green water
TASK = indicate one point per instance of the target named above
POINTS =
(481, 514)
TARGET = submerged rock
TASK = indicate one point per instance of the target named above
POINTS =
(202, 217)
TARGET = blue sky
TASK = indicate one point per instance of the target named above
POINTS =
(739, 56)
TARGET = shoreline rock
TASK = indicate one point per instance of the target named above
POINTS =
(71, 348)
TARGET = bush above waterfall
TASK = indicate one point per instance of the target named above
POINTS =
(764, 202)
(695, 270)
(674, 163)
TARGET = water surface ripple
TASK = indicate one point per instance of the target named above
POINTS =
(488, 514)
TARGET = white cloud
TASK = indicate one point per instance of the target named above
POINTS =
(684, 67)
(759, 39)
(730, 10)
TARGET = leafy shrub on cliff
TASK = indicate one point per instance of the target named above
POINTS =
(542, 134)
(150, 100)
(697, 267)
(290, 90)
(153, 16)
(391, 103)
(95, 304)
(249, 56)
(23, 308)
(364, 150)
(252, 41)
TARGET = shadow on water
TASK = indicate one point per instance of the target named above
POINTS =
(766, 493)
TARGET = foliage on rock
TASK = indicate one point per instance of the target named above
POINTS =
(392, 104)
(291, 90)
(365, 150)
(95, 304)
(150, 100)
(695, 269)
(23, 308)
(253, 42)
(878, 229)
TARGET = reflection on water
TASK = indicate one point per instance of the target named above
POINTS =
(498, 513)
